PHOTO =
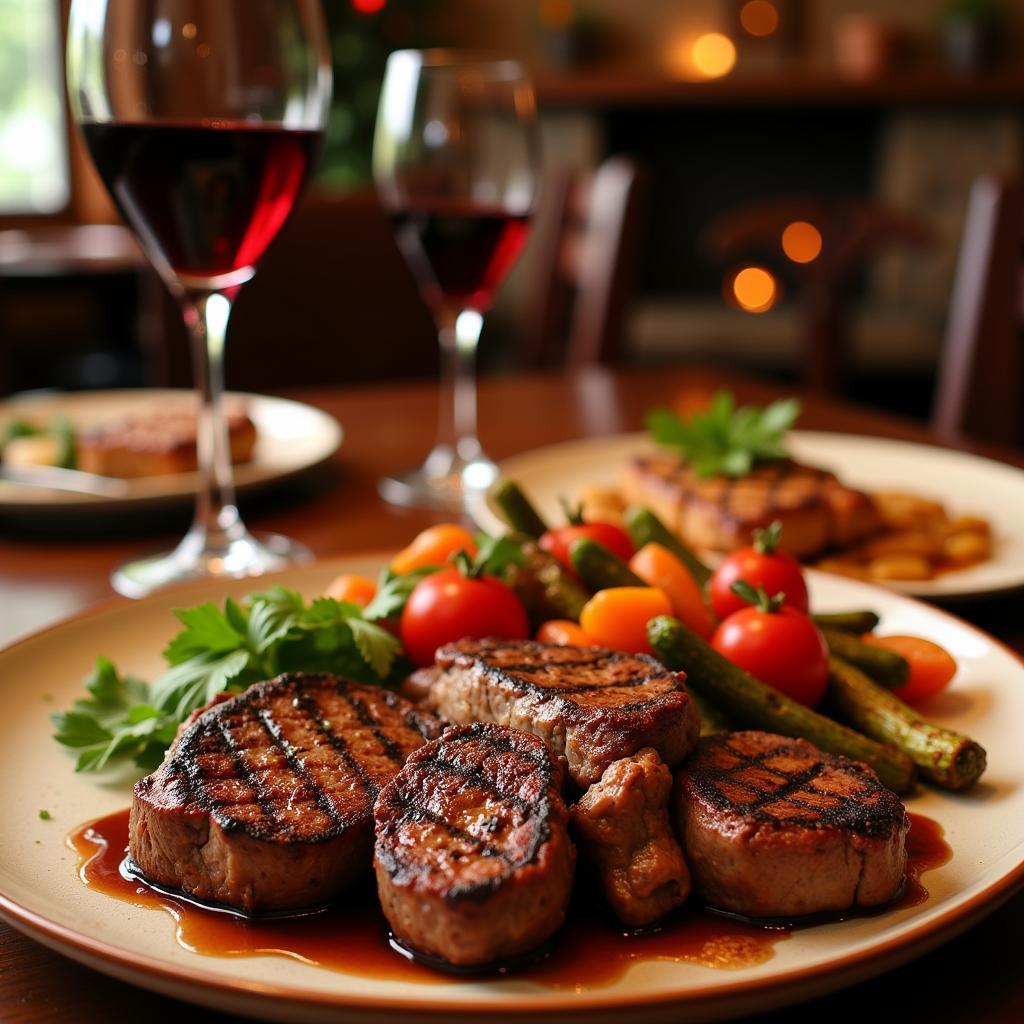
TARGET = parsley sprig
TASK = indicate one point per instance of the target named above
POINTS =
(726, 440)
(228, 649)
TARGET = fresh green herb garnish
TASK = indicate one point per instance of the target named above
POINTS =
(223, 650)
(725, 439)
(44, 814)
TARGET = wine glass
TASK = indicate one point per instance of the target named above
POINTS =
(203, 119)
(455, 163)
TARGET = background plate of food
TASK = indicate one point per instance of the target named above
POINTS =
(926, 521)
(595, 973)
(138, 447)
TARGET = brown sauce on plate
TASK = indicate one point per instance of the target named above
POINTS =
(590, 951)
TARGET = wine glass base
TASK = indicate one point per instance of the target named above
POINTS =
(448, 490)
(247, 555)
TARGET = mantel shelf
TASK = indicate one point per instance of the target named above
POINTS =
(622, 87)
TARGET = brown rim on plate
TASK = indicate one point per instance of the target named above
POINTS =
(813, 980)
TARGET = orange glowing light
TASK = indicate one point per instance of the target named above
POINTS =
(801, 242)
(755, 289)
(368, 6)
(713, 54)
(759, 17)
(556, 14)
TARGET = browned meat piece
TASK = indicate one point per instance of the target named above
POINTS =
(622, 823)
(473, 857)
(156, 443)
(589, 704)
(265, 801)
(816, 511)
(417, 686)
(773, 827)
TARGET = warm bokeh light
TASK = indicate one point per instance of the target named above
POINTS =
(556, 14)
(368, 6)
(755, 289)
(801, 242)
(713, 54)
(759, 17)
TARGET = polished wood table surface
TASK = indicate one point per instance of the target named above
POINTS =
(48, 571)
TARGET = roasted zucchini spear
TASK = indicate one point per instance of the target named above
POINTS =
(947, 758)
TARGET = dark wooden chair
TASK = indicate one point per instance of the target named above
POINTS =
(980, 388)
(852, 230)
(587, 238)
(334, 300)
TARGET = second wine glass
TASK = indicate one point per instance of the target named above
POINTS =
(455, 163)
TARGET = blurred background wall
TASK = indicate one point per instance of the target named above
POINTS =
(730, 104)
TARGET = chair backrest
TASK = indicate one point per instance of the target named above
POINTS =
(981, 374)
(586, 241)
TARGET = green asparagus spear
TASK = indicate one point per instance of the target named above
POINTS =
(947, 758)
(543, 585)
(599, 567)
(848, 622)
(883, 666)
(516, 510)
(752, 704)
(644, 527)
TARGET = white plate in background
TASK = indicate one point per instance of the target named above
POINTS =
(291, 437)
(966, 484)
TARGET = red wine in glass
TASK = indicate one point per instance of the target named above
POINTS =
(459, 251)
(208, 197)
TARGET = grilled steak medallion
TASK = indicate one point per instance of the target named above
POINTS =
(592, 705)
(473, 857)
(773, 827)
(815, 509)
(265, 801)
(622, 823)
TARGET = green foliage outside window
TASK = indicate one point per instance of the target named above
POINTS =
(363, 33)
(33, 140)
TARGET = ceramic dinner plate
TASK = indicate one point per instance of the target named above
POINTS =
(40, 891)
(965, 484)
(292, 437)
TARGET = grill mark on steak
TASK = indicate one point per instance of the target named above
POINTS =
(723, 787)
(305, 702)
(364, 715)
(323, 801)
(414, 810)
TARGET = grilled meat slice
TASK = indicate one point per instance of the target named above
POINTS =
(816, 511)
(265, 801)
(622, 824)
(592, 705)
(773, 827)
(473, 857)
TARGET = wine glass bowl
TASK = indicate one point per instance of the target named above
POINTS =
(204, 120)
(455, 164)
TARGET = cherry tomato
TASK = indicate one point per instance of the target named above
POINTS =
(349, 587)
(434, 546)
(763, 566)
(564, 633)
(558, 541)
(660, 568)
(782, 648)
(931, 667)
(448, 606)
(618, 617)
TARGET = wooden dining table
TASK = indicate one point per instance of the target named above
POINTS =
(50, 569)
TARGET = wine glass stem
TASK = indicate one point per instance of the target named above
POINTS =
(217, 520)
(459, 336)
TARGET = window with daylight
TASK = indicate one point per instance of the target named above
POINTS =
(34, 175)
